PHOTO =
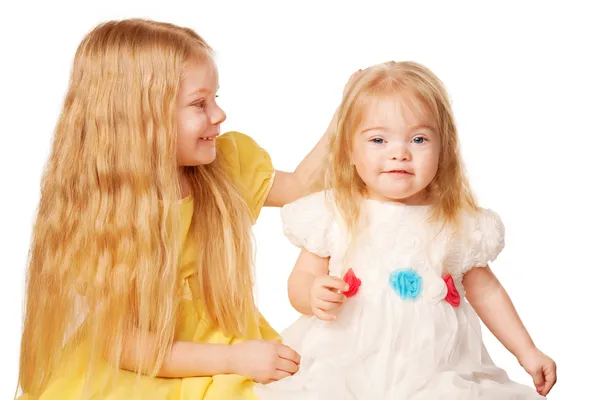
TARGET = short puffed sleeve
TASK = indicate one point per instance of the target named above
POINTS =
(307, 223)
(484, 233)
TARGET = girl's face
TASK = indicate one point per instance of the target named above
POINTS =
(396, 149)
(199, 116)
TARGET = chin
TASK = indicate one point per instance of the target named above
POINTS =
(206, 157)
(206, 161)
(399, 195)
(396, 197)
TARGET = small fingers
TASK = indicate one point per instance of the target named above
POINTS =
(322, 315)
(288, 353)
(333, 282)
(550, 376)
(327, 305)
(287, 366)
(331, 296)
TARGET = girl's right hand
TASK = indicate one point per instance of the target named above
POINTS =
(325, 298)
(264, 361)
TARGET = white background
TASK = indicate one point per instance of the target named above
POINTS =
(524, 84)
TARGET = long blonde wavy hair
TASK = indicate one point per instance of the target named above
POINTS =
(107, 237)
(449, 191)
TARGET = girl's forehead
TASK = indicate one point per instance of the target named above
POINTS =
(395, 109)
(199, 75)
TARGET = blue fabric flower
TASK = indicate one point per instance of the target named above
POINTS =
(407, 283)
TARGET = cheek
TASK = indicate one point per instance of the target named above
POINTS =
(191, 124)
(361, 160)
(429, 163)
(367, 156)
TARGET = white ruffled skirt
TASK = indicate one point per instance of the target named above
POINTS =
(385, 347)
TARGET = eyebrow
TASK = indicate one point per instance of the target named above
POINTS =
(424, 126)
(373, 128)
(201, 91)
(413, 128)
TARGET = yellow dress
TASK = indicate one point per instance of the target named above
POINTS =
(251, 166)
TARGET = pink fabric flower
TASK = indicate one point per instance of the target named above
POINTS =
(353, 283)
(453, 297)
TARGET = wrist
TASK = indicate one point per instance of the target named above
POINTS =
(231, 361)
(523, 351)
(300, 292)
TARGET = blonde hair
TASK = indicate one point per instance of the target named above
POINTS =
(449, 191)
(107, 234)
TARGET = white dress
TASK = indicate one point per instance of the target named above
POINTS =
(398, 337)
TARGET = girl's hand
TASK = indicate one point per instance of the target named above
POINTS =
(263, 361)
(541, 368)
(325, 297)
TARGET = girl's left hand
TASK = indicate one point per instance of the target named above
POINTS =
(541, 368)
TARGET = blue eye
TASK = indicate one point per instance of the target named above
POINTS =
(377, 140)
(419, 140)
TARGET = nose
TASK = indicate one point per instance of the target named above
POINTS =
(217, 116)
(400, 152)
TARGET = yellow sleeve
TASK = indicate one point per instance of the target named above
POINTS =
(266, 330)
(251, 167)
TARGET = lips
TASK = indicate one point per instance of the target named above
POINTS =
(209, 138)
(398, 172)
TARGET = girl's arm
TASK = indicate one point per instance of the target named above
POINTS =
(493, 305)
(306, 178)
(311, 290)
(186, 359)
(491, 302)
(307, 268)
(263, 361)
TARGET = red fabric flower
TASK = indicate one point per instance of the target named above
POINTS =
(353, 283)
(452, 297)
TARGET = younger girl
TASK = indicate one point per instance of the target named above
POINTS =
(140, 280)
(401, 227)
